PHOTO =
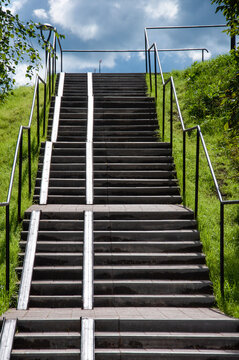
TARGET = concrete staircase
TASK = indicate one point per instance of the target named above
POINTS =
(152, 296)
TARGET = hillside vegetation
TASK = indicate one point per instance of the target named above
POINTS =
(207, 95)
(15, 111)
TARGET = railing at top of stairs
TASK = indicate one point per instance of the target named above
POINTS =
(200, 138)
(49, 78)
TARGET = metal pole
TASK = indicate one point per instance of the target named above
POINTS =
(146, 58)
(197, 174)
(49, 76)
(150, 79)
(38, 114)
(184, 168)
(171, 115)
(155, 79)
(44, 111)
(202, 55)
(61, 61)
(29, 162)
(222, 249)
(7, 249)
(20, 180)
(163, 125)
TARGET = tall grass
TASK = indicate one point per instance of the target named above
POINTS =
(15, 111)
(226, 168)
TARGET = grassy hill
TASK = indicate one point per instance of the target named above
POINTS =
(13, 113)
(207, 95)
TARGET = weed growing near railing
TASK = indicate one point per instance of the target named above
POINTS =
(195, 97)
(13, 113)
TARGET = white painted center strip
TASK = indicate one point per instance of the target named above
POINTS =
(89, 174)
(56, 117)
(61, 84)
(89, 143)
(46, 173)
(29, 258)
(90, 119)
(7, 339)
(87, 339)
(89, 84)
(88, 254)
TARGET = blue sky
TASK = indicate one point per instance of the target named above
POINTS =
(119, 24)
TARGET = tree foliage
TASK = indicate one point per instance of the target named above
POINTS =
(230, 9)
(16, 46)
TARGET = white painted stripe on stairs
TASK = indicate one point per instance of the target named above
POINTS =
(57, 108)
(61, 84)
(90, 118)
(89, 84)
(29, 258)
(46, 173)
(89, 143)
(88, 261)
(87, 339)
(89, 174)
(56, 116)
(7, 339)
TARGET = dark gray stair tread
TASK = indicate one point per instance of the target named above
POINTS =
(148, 258)
(166, 354)
(154, 300)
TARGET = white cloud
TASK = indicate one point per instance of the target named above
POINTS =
(82, 63)
(20, 78)
(156, 9)
(197, 55)
(17, 5)
(40, 13)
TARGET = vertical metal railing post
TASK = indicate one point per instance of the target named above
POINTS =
(222, 249)
(171, 115)
(61, 62)
(155, 72)
(7, 248)
(202, 55)
(20, 179)
(150, 75)
(29, 162)
(197, 173)
(44, 111)
(184, 167)
(163, 125)
(38, 113)
(49, 80)
(146, 56)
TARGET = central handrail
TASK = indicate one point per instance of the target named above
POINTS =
(50, 71)
(200, 138)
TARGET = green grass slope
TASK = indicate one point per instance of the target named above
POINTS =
(15, 111)
(206, 93)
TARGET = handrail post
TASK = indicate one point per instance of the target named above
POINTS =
(145, 47)
(155, 79)
(163, 125)
(38, 113)
(61, 61)
(184, 168)
(49, 71)
(150, 75)
(197, 173)
(222, 249)
(44, 111)
(171, 114)
(20, 179)
(29, 163)
(7, 248)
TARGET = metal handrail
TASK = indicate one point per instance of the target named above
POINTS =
(200, 138)
(18, 155)
(233, 38)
